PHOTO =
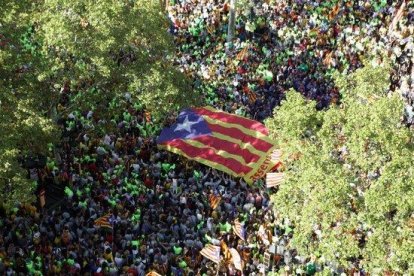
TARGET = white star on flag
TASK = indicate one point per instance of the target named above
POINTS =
(186, 125)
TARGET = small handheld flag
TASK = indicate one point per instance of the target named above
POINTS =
(239, 230)
(153, 273)
(104, 222)
(236, 259)
(211, 252)
(214, 201)
(274, 179)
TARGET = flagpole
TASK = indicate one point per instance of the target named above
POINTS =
(112, 242)
(113, 238)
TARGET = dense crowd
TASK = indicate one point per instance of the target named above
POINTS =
(290, 44)
(158, 207)
(157, 204)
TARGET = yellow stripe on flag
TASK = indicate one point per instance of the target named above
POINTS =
(214, 201)
(225, 250)
(247, 131)
(210, 29)
(252, 96)
(246, 146)
(264, 165)
(201, 160)
(236, 145)
(243, 53)
(103, 221)
(219, 152)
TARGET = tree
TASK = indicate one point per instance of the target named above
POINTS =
(105, 49)
(63, 56)
(349, 177)
(24, 130)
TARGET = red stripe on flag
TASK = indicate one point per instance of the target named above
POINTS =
(236, 133)
(232, 148)
(210, 155)
(232, 119)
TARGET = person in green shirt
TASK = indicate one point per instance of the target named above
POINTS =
(177, 249)
(182, 264)
(225, 227)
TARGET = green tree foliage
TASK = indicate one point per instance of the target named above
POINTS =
(24, 130)
(91, 52)
(349, 178)
(107, 48)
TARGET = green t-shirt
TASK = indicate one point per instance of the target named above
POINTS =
(225, 227)
(177, 250)
(182, 264)
(68, 192)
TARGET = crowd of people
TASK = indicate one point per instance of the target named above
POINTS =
(290, 44)
(158, 206)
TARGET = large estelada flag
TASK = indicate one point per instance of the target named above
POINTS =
(230, 143)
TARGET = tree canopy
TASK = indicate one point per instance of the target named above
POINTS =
(59, 57)
(110, 48)
(349, 175)
(24, 127)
